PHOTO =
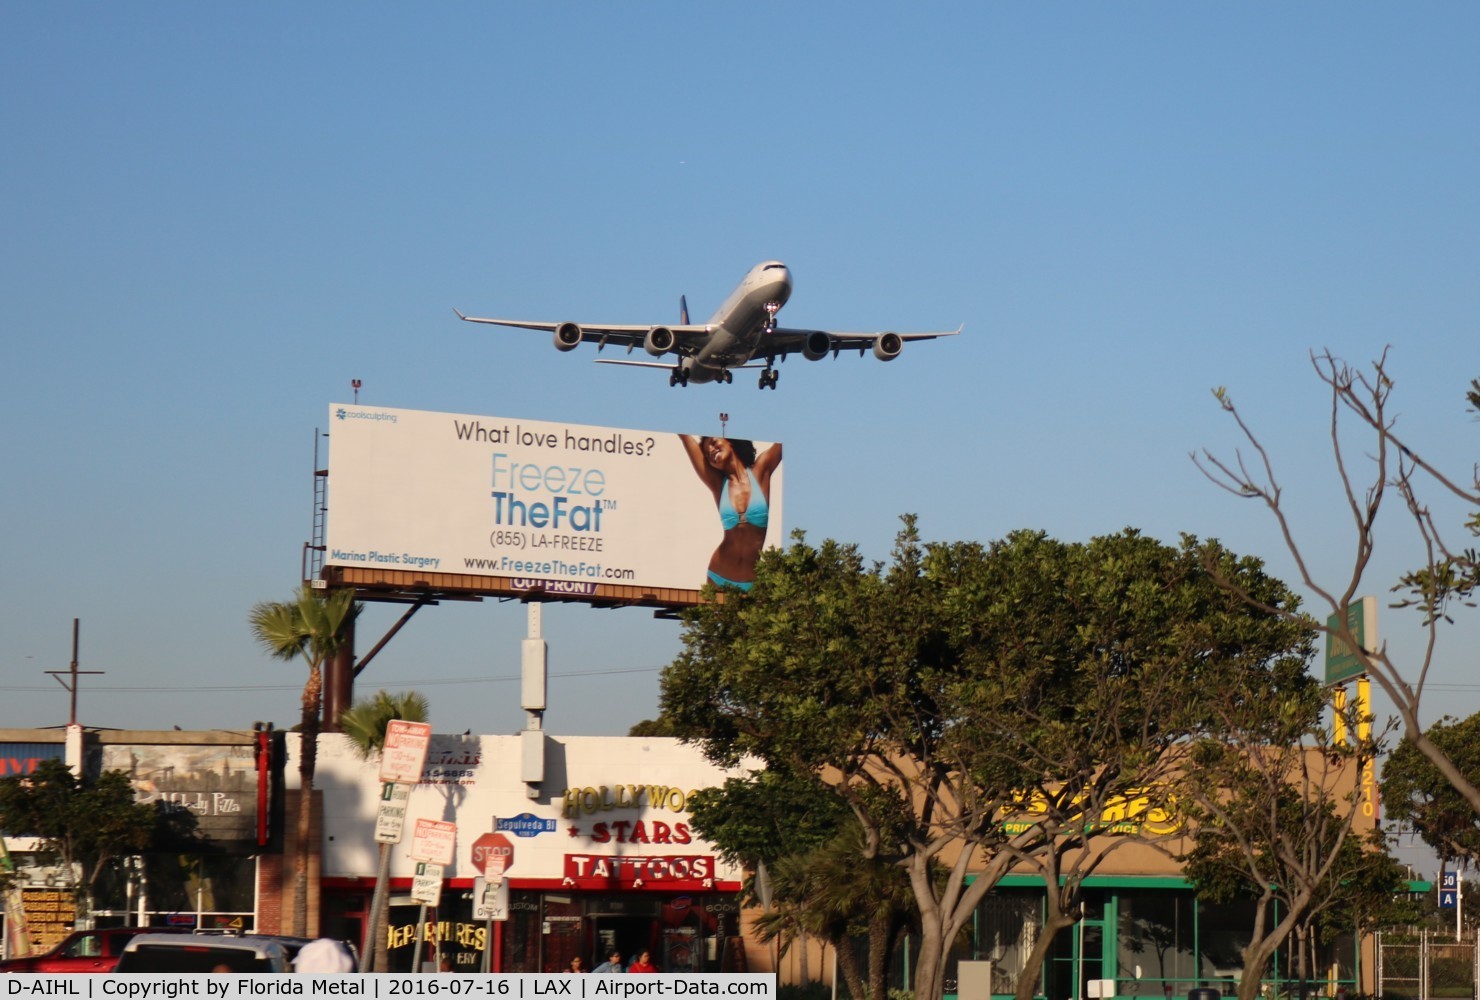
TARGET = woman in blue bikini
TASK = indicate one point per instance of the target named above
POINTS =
(740, 481)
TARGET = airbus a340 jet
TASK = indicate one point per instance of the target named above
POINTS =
(742, 333)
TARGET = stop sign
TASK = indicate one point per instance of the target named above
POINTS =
(490, 845)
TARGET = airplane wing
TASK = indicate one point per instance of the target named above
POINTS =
(628, 335)
(789, 340)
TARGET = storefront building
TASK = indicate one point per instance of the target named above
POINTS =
(214, 789)
(598, 856)
(1142, 936)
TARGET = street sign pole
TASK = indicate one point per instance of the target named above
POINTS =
(378, 901)
(426, 888)
(402, 757)
(493, 880)
(480, 900)
(421, 937)
(433, 843)
(390, 822)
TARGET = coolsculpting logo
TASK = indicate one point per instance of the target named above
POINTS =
(379, 415)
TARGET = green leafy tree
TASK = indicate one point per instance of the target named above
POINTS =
(90, 824)
(1415, 791)
(310, 627)
(1103, 660)
(652, 727)
(837, 895)
(976, 703)
(806, 848)
(364, 724)
(1383, 469)
(766, 816)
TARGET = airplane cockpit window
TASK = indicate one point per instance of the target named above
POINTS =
(773, 267)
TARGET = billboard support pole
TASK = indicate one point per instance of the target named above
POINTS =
(535, 656)
(535, 659)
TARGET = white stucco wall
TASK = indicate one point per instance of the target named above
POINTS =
(599, 800)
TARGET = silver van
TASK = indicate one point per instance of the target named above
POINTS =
(206, 953)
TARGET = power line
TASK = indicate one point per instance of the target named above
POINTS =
(418, 682)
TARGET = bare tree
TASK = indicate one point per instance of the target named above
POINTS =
(1446, 576)
(1275, 798)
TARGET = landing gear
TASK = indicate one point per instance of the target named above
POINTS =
(772, 308)
(678, 376)
(768, 378)
(728, 377)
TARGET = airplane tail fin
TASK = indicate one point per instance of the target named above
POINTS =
(683, 310)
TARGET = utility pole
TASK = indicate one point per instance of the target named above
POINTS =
(73, 673)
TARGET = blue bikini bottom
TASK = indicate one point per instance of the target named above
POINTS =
(720, 581)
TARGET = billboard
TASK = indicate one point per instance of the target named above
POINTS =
(571, 510)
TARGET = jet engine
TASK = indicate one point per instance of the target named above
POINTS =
(887, 346)
(659, 340)
(567, 337)
(816, 346)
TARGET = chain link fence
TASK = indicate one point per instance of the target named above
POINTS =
(1426, 966)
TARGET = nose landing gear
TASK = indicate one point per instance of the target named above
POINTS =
(772, 308)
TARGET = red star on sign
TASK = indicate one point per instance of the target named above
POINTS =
(574, 831)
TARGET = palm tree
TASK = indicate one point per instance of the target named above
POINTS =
(364, 724)
(311, 626)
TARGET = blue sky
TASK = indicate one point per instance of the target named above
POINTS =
(215, 216)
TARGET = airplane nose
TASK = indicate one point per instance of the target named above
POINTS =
(781, 283)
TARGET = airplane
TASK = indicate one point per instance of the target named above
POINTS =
(742, 333)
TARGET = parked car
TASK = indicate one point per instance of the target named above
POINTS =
(209, 953)
(96, 950)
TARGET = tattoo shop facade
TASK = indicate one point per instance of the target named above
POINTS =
(599, 855)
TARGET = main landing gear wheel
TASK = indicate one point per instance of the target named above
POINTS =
(678, 377)
(768, 378)
(728, 377)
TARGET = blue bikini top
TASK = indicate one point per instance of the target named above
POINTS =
(757, 512)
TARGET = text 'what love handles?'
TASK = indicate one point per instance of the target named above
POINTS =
(612, 443)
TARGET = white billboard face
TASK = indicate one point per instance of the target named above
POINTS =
(564, 507)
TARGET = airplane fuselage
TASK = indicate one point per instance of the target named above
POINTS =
(737, 326)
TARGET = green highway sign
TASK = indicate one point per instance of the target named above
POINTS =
(1342, 662)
